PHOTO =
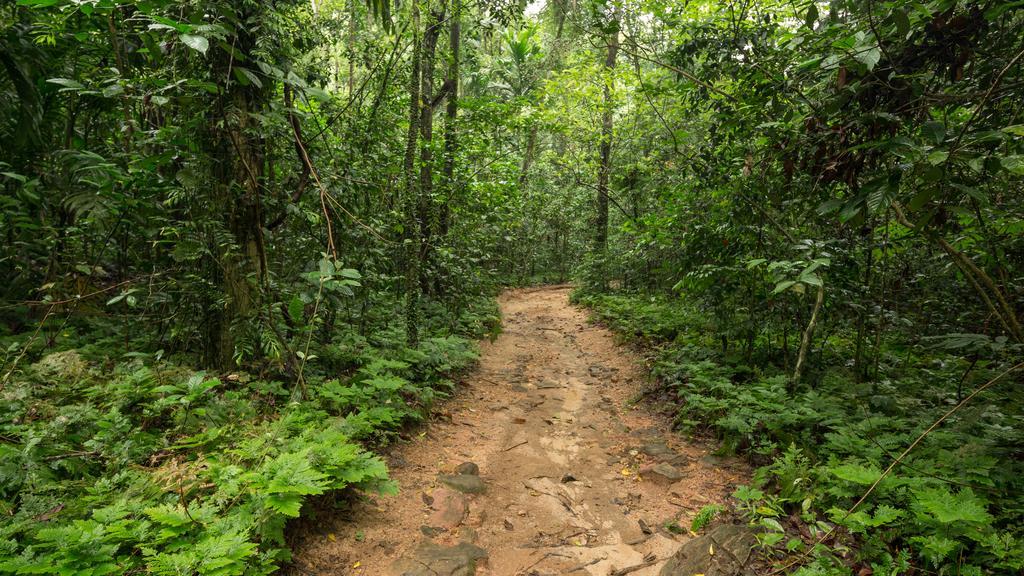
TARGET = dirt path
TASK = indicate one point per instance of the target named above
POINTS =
(576, 480)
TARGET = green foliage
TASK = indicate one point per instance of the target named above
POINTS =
(705, 516)
(821, 448)
(149, 466)
(223, 220)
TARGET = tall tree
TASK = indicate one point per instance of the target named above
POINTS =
(451, 127)
(428, 100)
(411, 192)
(607, 129)
(237, 157)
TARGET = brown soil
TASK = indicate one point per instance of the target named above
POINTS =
(547, 417)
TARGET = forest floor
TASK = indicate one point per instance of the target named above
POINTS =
(573, 477)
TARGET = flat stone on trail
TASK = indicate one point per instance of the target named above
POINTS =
(468, 534)
(449, 508)
(662, 473)
(658, 450)
(468, 468)
(430, 559)
(465, 483)
(430, 531)
(714, 461)
(722, 552)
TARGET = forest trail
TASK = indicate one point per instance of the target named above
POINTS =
(576, 480)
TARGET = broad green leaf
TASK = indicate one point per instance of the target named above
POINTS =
(869, 57)
(1013, 164)
(246, 76)
(197, 43)
(934, 132)
(783, 286)
(811, 279)
(67, 83)
(326, 268)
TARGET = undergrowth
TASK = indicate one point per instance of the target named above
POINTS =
(143, 465)
(954, 505)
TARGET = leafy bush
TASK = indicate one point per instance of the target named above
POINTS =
(147, 466)
(953, 504)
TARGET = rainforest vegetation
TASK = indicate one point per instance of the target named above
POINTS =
(247, 244)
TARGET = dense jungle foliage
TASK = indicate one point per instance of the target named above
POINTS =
(248, 243)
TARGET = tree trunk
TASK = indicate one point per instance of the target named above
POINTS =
(451, 142)
(607, 125)
(805, 342)
(351, 47)
(531, 146)
(412, 236)
(426, 191)
(237, 174)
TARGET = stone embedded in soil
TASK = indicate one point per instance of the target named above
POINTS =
(468, 535)
(662, 473)
(430, 531)
(658, 450)
(465, 483)
(724, 551)
(715, 461)
(468, 468)
(430, 559)
(450, 508)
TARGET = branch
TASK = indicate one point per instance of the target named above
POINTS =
(296, 126)
(442, 92)
(975, 275)
(805, 342)
(682, 73)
